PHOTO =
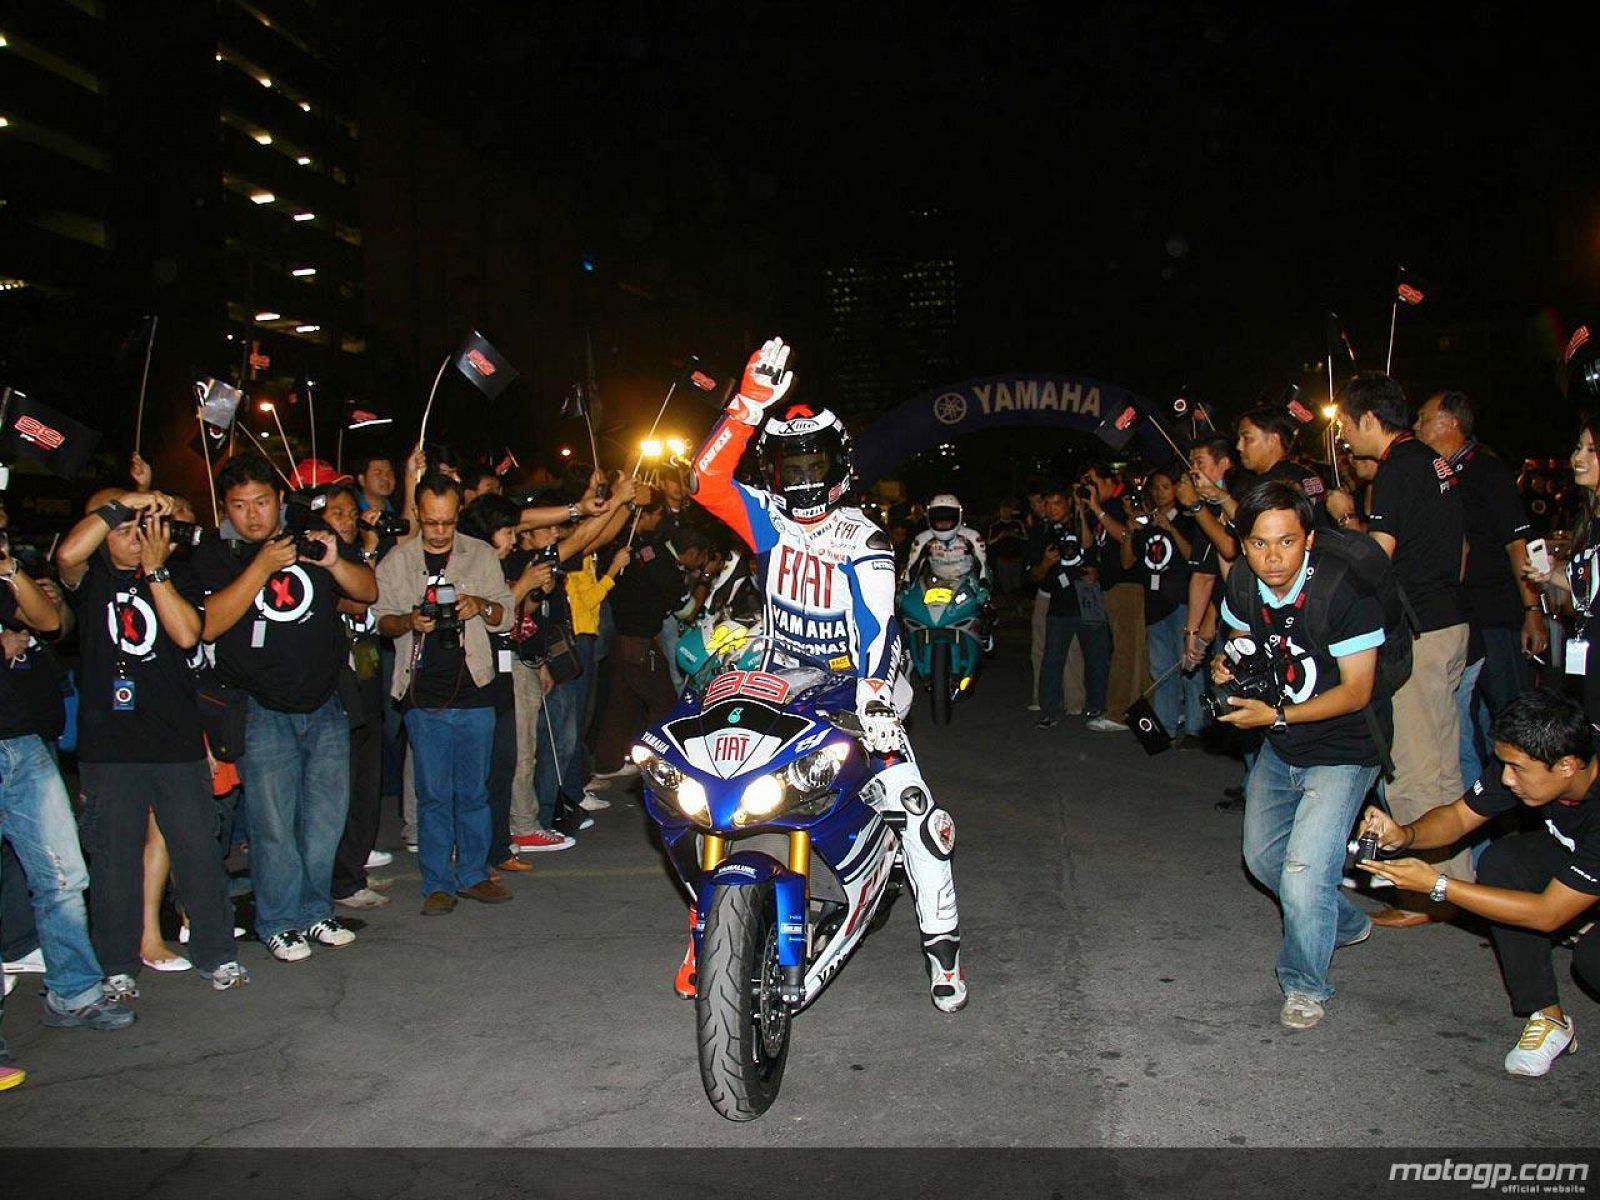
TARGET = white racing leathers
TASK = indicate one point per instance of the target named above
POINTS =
(951, 555)
(829, 589)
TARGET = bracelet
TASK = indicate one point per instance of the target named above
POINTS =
(114, 513)
(1537, 606)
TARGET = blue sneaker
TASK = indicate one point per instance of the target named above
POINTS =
(103, 1014)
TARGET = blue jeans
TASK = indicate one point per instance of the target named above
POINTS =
(1296, 823)
(1176, 698)
(1095, 640)
(36, 818)
(1468, 705)
(450, 751)
(563, 705)
(296, 775)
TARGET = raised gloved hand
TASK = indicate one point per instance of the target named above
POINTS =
(766, 379)
(881, 730)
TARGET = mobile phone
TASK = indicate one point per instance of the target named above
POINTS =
(1539, 556)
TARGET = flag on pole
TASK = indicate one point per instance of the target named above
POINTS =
(706, 381)
(219, 402)
(1411, 288)
(1118, 427)
(44, 435)
(1147, 727)
(484, 366)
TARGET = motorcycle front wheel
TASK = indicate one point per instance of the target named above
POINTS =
(740, 1017)
(939, 683)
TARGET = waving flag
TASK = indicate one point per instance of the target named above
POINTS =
(484, 366)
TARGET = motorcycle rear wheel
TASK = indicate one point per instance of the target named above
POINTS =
(939, 683)
(740, 1017)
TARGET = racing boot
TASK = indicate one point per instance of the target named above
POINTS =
(947, 982)
(683, 983)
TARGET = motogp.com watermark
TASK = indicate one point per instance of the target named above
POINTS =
(1503, 1178)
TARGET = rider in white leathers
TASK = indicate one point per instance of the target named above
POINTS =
(953, 550)
(827, 575)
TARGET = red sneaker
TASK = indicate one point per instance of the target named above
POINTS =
(541, 839)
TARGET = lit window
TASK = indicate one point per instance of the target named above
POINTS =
(303, 272)
(268, 316)
(305, 216)
(262, 197)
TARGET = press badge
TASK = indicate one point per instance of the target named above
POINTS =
(122, 695)
(258, 635)
(505, 661)
(1577, 656)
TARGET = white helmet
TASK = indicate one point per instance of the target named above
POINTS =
(944, 516)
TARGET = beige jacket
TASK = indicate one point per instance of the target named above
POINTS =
(474, 569)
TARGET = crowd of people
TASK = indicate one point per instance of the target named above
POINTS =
(481, 658)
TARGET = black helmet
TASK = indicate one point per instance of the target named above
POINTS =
(805, 456)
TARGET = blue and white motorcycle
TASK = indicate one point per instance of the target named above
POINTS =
(761, 789)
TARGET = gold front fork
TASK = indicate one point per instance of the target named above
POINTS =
(800, 855)
(713, 850)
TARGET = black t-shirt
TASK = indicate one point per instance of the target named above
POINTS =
(16, 717)
(441, 678)
(647, 591)
(1493, 517)
(288, 647)
(1162, 568)
(1108, 551)
(1416, 501)
(122, 642)
(1305, 670)
(1575, 826)
(1059, 584)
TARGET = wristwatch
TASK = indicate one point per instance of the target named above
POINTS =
(572, 511)
(1194, 509)
(1441, 885)
(159, 575)
(1280, 723)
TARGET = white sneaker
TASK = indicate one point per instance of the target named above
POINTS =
(121, 988)
(593, 803)
(365, 898)
(1105, 725)
(289, 946)
(229, 975)
(1544, 1039)
(31, 961)
(379, 858)
(328, 932)
(1300, 1011)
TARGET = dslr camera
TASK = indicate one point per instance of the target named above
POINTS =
(387, 524)
(182, 533)
(302, 515)
(441, 610)
(1255, 677)
(550, 554)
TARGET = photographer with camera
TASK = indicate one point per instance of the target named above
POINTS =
(1532, 887)
(1104, 493)
(1301, 666)
(439, 595)
(1057, 564)
(272, 610)
(1162, 545)
(140, 748)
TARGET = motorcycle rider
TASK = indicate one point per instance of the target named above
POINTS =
(952, 548)
(827, 576)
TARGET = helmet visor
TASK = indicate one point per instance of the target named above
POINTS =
(943, 519)
(803, 468)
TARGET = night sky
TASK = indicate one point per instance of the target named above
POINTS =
(1157, 195)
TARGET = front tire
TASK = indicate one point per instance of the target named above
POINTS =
(740, 1017)
(939, 682)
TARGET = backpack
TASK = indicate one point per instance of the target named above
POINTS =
(1341, 552)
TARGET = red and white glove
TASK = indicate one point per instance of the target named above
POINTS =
(766, 379)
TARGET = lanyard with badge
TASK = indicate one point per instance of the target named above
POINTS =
(1581, 574)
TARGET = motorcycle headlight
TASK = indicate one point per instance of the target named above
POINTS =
(687, 795)
(803, 782)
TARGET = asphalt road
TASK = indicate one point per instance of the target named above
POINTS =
(1120, 963)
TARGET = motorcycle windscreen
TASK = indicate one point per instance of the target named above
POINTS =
(735, 736)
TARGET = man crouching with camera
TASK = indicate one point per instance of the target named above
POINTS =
(1318, 755)
(1530, 885)
(439, 595)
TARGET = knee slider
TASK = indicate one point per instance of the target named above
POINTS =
(938, 833)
